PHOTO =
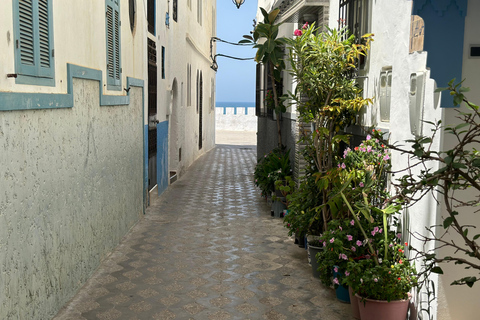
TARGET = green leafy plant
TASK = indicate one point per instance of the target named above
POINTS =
(270, 52)
(326, 94)
(457, 180)
(272, 167)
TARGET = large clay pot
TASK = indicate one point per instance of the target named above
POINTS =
(354, 302)
(382, 310)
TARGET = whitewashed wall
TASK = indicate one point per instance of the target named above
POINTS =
(187, 41)
(235, 122)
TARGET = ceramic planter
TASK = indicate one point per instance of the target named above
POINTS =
(382, 310)
(341, 291)
(312, 252)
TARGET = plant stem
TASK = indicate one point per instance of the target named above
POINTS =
(375, 258)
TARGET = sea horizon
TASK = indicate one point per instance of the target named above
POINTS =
(238, 104)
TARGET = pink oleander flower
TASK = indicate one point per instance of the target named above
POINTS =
(340, 227)
(335, 280)
(349, 237)
(386, 157)
(344, 256)
(297, 32)
(343, 166)
(335, 269)
(352, 222)
(331, 240)
(361, 185)
(375, 279)
(305, 26)
(369, 137)
(347, 273)
(354, 249)
(359, 243)
(369, 149)
(324, 244)
(376, 229)
(373, 233)
(380, 231)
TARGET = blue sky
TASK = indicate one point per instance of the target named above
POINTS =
(235, 79)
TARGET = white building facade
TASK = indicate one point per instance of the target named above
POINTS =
(418, 45)
(93, 97)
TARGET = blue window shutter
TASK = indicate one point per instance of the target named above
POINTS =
(114, 76)
(34, 41)
(44, 39)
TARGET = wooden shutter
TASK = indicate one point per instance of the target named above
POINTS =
(34, 56)
(113, 44)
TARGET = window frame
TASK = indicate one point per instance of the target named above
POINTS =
(34, 74)
(113, 52)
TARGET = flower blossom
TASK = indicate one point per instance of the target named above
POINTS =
(347, 273)
(353, 249)
(331, 240)
(349, 237)
(343, 166)
(361, 185)
(297, 32)
(369, 137)
(386, 157)
(335, 269)
(375, 279)
(359, 243)
(352, 222)
(305, 26)
(335, 280)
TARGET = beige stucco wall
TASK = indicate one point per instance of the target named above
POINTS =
(79, 38)
(71, 187)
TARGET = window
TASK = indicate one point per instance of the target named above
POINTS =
(34, 55)
(199, 11)
(163, 62)
(114, 69)
(151, 16)
(354, 13)
(175, 13)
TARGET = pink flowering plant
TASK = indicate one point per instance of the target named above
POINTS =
(383, 275)
(342, 242)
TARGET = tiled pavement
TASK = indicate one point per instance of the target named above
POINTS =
(207, 249)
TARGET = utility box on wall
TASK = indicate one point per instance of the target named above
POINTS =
(416, 97)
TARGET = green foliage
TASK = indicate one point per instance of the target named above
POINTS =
(270, 52)
(327, 95)
(270, 168)
(458, 171)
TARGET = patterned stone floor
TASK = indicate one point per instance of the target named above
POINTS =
(207, 249)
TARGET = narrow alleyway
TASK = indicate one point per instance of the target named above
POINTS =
(207, 249)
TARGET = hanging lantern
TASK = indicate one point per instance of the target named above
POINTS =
(238, 3)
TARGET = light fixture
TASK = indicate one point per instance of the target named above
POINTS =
(238, 3)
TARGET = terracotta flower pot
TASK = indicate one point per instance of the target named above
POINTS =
(382, 310)
(354, 302)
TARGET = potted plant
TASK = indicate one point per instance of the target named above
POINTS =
(283, 192)
(272, 167)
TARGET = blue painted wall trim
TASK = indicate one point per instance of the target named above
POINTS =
(14, 101)
(10, 101)
(162, 157)
(145, 165)
(444, 36)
